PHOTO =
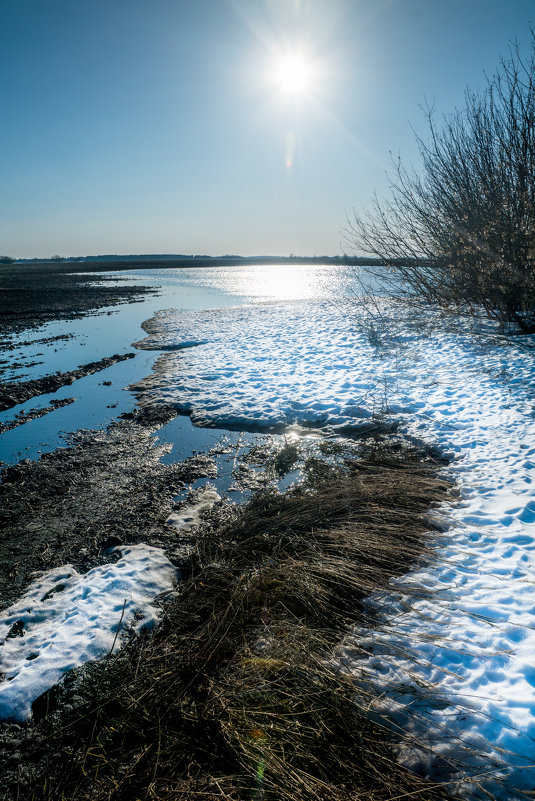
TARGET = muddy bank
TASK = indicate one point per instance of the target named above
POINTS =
(14, 392)
(32, 414)
(240, 673)
(70, 506)
(34, 294)
(27, 342)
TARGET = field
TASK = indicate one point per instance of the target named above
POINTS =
(379, 553)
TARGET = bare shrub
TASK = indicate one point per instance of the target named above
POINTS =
(460, 232)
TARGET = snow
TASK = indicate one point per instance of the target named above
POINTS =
(190, 516)
(467, 640)
(471, 641)
(66, 619)
(262, 367)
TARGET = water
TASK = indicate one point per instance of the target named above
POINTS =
(282, 348)
(216, 287)
(115, 329)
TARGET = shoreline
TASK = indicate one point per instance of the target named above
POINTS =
(32, 295)
(68, 507)
(472, 399)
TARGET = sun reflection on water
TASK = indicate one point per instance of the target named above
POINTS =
(277, 282)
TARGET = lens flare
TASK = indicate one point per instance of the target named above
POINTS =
(290, 149)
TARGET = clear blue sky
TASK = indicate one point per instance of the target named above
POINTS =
(156, 126)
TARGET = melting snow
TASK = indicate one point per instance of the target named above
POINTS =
(190, 516)
(66, 619)
(309, 363)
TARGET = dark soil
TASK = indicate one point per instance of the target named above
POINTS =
(34, 294)
(25, 343)
(31, 414)
(14, 392)
(70, 506)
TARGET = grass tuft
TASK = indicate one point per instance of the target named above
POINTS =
(237, 696)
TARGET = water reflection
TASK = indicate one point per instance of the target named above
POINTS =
(112, 330)
(205, 287)
(272, 282)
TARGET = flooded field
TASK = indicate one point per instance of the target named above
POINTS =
(240, 375)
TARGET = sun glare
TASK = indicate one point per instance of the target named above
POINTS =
(294, 75)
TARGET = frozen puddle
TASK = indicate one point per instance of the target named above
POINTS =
(472, 640)
(66, 619)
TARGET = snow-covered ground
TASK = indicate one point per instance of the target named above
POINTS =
(306, 362)
(66, 619)
(470, 637)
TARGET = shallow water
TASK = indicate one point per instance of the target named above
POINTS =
(114, 330)
(278, 347)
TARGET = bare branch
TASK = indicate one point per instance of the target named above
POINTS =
(461, 232)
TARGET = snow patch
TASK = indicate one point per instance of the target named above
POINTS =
(66, 619)
(189, 517)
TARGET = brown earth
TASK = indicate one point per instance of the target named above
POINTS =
(34, 294)
(109, 488)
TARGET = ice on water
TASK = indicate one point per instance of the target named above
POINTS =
(311, 363)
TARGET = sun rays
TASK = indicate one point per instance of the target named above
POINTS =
(294, 74)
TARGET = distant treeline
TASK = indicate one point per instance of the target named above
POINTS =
(201, 261)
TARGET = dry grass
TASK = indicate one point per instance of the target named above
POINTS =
(236, 695)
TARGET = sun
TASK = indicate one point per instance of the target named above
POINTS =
(293, 74)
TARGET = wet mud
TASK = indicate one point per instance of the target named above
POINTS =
(14, 392)
(108, 488)
(31, 414)
(7, 346)
(35, 293)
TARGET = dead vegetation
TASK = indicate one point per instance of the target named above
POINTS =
(237, 694)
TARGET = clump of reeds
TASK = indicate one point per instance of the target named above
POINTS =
(236, 695)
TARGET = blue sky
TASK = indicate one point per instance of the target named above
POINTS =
(154, 126)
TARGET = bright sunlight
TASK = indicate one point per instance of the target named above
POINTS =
(294, 74)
